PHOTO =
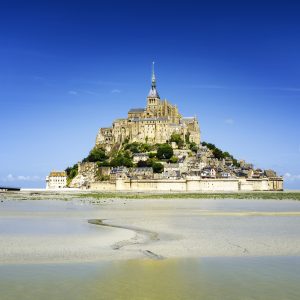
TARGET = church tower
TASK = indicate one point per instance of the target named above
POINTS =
(153, 98)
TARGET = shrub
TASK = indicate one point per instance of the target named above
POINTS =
(145, 147)
(96, 154)
(187, 138)
(151, 161)
(152, 154)
(173, 159)
(121, 160)
(104, 178)
(136, 147)
(176, 137)
(193, 147)
(157, 167)
(71, 173)
(226, 154)
(104, 163)
(219, 154)
(164, 151)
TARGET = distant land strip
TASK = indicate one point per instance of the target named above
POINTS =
(69, 195)
(252, 213)
(172, 195)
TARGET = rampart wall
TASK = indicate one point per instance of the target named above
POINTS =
(191, 185)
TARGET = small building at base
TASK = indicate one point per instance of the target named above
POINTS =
(56, 180)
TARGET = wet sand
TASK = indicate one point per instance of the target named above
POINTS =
(50, 231)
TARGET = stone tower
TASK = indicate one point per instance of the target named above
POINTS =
(153, 98)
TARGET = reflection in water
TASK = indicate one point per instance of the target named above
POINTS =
(209, 278)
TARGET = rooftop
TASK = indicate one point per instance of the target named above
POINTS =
(133, 110)
(58, 174)
(149, 119)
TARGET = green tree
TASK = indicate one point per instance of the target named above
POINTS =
(145, 147)
(104, 163)
(121, 160)
(176, 137)
(71, 173)
(211, 146)
(96, 154)
(236, 163)
(164, 151)
(157, 167)
(134, 148)
(226, 154)
(187, 137)
(218, 153)
(151, 161)
(193, 147)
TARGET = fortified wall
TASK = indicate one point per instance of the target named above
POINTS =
(191, 185)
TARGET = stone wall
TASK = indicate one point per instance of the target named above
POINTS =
(275, 184)
(190, 185)
(206, 185)
(87, 169)
(103, 186)
(87, 172)
(251, 184)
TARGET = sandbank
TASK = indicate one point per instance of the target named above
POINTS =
(85, 229)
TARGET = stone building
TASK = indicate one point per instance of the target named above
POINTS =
(172, 171)
(153, 124)
(140, 157)
(119, 173)
(56, 180)
(141, 173)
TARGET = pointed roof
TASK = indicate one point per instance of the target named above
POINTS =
(153, 92)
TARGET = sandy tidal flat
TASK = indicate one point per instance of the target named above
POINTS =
(90, 230)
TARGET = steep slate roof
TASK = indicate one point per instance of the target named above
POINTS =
(133, 110)
(153, 92)
(149, 119)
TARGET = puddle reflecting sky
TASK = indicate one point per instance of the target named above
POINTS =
(206, 278)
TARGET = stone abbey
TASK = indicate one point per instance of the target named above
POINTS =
(153, 124)
(157, 149)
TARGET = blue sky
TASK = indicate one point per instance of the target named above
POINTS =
(68, 68)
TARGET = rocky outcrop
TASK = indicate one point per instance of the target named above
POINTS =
(87, 173)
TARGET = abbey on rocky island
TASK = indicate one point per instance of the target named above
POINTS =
(153, 124)
(157, 149)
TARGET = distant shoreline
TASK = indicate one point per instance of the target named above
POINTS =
(36, 194)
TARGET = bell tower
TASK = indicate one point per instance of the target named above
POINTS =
(153, 98)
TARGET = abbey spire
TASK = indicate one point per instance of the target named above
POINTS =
(153, 76)
(153, 92)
